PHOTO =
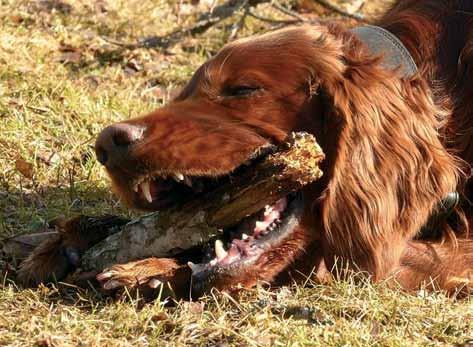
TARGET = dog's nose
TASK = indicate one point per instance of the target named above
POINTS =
(113, 142)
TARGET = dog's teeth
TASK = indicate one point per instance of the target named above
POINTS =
(244, 236)
(267, 210)
(135, 188)
(146, 191)
(220, 252)
(178, 177)
(187, 181)
(261, 225)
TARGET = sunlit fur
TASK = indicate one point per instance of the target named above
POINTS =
(388, 139)
(394, 146)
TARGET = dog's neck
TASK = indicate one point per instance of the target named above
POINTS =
(382, 42)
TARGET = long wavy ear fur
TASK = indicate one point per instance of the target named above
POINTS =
(390, 167)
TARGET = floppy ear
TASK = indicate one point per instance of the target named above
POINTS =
(389, 169)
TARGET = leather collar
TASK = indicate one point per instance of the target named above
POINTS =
(382, 42)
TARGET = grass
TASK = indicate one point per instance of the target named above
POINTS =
(62, 79)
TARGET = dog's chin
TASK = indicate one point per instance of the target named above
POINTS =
(240, 248)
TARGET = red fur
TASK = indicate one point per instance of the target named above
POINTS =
(395, 146)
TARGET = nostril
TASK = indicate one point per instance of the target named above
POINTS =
(102, 156)
(114, 139)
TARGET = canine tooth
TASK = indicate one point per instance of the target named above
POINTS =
(146, 192)
(220, 252)
(244, 236)
(178, 176)
(135, 188)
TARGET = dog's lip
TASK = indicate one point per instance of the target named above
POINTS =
(203, 274)
(145, 188)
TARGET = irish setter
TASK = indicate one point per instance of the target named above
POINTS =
(395, 146)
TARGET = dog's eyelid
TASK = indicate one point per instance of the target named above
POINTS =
(241, 90)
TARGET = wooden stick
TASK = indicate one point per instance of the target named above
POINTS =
(167, 233)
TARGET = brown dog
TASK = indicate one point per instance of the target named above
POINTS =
(396, 145)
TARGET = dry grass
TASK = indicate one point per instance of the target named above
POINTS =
(61, 81)
(342, 314)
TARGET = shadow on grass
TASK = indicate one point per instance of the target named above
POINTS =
(37, 210)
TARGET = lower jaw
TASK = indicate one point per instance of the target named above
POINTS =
(249, 268)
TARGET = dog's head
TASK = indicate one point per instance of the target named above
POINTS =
(385, 169)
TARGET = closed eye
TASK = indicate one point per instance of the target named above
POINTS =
(240, 91)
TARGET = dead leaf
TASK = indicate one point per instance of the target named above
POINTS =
(25, 168)
(16, 19)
